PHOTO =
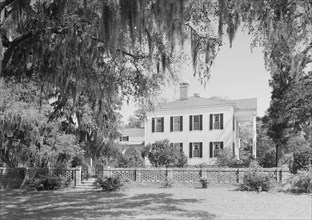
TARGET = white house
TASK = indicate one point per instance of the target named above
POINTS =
(131, 138)
(201, 126)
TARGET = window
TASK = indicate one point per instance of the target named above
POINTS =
(176, 123)
(216, 121)
(196, 149)
(179, 146)
(196, 122)
(158, 124)
(215, 148)
(125, 138)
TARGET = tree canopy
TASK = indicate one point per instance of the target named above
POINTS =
(94, 54)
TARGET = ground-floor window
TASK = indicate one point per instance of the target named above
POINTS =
(177, 145)
(196, 149)
(215, 148)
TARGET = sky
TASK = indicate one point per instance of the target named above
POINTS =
(237, 73)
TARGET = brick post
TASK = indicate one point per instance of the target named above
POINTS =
(78, 175)
(107, 172)
(203, 173)
(169, 173)
(138, 175)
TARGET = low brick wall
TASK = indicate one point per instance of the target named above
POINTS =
(214, 175)
(14, 177)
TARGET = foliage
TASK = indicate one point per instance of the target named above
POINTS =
(302, 181)
(204, 182)
(302, 160)
(48, 183)
(27, 138)
(225, 158)
(266, 153)
(134, 160)
(110, 184)
(167, 183)
(162, 154)
(255, 180)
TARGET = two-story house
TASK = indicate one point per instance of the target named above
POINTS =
(201, 127)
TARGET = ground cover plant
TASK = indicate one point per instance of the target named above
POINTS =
(255, 180)
(42, 183)
(302, 181)
(110, 184)
(204, 182)
(167, 183)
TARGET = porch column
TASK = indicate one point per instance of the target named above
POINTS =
(254, 138)
(237, 144)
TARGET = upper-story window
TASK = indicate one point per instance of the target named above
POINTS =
(196, 122)
(158, 124)
(176, 123)
(216, 121)
(124, 138)
(215, 148)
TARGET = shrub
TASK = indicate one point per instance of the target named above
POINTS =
(254, 180)
(301, 160)
(48, 183)
(110, 184)
(302, 181)
(204, 182)
(167, 183)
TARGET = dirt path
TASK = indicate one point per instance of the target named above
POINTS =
(155, 203)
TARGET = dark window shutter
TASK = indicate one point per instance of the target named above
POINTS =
(171, 123)
(201, 150)
(221, 145)
(191, 121)
(191, 150)
(233, 123)
(162, 124)
(221, 121)
(171, 145)
(211, 121)
(201, 122)
(181, 123)
(181, 147)
(233, 149)
(153, 124)
(211, 149)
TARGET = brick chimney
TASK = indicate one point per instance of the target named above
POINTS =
(184, 90)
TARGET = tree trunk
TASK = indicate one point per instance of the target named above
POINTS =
(279, 155)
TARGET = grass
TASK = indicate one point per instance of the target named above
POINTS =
(152, 202)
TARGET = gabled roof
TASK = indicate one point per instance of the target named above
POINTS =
(195, 101)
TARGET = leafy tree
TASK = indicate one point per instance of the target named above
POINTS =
(265, 145)
(26, 137)
(162, 154)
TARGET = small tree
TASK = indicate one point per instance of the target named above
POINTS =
(161, 154)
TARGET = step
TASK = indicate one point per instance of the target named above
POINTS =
(83, 186)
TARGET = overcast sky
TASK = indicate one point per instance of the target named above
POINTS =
(237, 73)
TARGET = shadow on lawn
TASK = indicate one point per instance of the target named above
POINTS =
(94, 204)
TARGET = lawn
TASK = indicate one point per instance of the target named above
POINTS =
(152, 202)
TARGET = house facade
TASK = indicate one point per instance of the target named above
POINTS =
(201, 127)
